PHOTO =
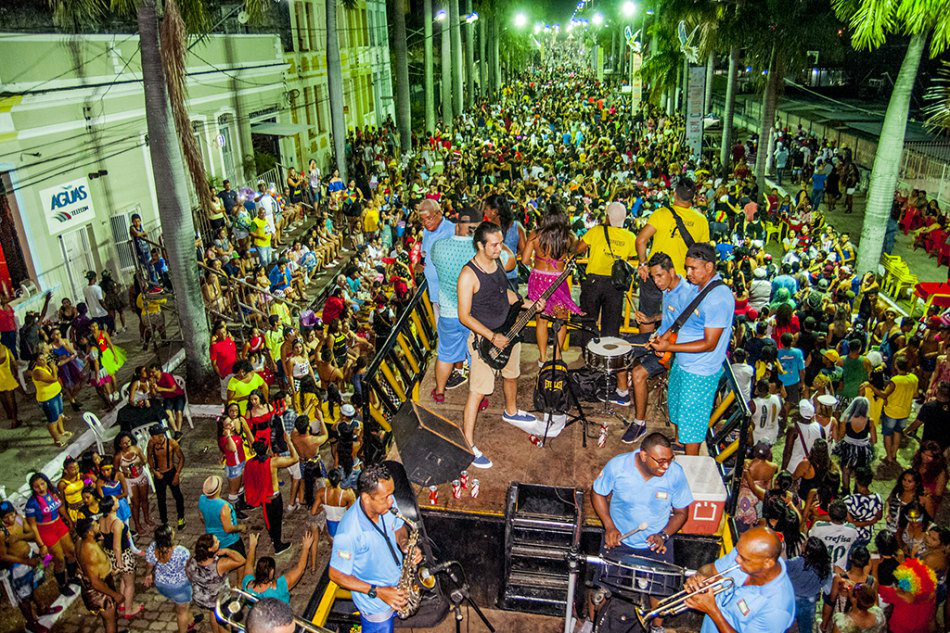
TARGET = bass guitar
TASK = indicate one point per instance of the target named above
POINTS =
(515, 323)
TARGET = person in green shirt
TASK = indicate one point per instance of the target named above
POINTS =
(855, 370)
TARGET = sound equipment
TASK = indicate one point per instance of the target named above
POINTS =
(515, 323)
(432, 448)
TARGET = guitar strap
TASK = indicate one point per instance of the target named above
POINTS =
(684, 315)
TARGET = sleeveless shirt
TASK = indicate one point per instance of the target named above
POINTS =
(490, 302)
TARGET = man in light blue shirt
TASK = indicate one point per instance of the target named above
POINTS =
(434, 228)
(368, 552)
(793, 367)
(762, 599)
(700, 347)
(643, 488)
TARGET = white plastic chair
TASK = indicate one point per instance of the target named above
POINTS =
(181, 385)
(141, 438)
(101, 433)
(124, 392)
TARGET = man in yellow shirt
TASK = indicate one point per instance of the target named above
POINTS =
(598, 296)
(261, 232)
(898, 397)
(667, 238)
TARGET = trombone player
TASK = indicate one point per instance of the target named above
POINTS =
(762, 599)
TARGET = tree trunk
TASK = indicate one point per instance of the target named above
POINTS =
(458, 100)
(446, 70)
(482, 60)
(429, 66)
(887, 159)
(495, 56)
(769, 102)
(403, 111)
(725, 150)
(710, 72)
(174, 210)
(469, 57)
(335, 90)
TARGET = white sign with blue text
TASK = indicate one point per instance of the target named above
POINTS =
(67, 206)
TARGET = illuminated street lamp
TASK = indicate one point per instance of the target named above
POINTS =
(473, 17)
(521, 21)
(629, 9)
(440, 16)
(597, 20)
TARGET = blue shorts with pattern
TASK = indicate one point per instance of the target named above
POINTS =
(690, 398)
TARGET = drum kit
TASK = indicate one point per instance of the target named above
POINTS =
(610, 355)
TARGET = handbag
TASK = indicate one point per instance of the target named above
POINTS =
(621, 274)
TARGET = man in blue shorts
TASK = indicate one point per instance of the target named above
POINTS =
(700, 349)
(448, 257)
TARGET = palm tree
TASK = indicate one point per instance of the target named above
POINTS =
(469, 57)
(445, 68)
(401, 54)
(171, 144)
(725, 148)
(429, 65)
(871, 21)
(455, 33)
(335, 90)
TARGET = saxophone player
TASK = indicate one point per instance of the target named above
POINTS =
(368, 552)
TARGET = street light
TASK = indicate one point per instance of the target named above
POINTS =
(473, 17)
(440, 16)
(537, 27)
(629, 9)
(521, 21)
(597, 20)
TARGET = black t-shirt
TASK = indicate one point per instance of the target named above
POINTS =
(935, 416)
(885, 571)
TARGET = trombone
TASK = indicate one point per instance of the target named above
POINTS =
(231, 609)
(676, 603)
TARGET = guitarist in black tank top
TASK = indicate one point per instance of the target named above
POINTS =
(484, 302)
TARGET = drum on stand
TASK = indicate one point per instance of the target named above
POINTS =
(608, 354)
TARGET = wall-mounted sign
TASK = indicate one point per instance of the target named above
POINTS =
(67, 206)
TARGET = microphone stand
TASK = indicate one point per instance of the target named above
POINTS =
(459, 593)
(557, 324)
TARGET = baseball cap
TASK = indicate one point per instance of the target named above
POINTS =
(156, 429)
(90, 274)
(806, 409)
(831, 355)
(347, 410)
(875, 358)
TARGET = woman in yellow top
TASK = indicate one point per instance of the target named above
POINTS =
(49, 393)
(70, 489)
(8, 386)
(242, 383)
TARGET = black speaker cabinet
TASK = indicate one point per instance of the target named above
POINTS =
(432, 448)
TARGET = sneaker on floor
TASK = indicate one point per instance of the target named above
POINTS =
(616, 398)
(483, 404)
(518, 416)
(481, 461)
(283, 548)
(67, 591)
(181, 524)
(633, 433)
(456, 379)
(437, 397)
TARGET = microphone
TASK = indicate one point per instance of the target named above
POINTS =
(441, 567)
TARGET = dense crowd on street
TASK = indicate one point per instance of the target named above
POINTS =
(836, 379)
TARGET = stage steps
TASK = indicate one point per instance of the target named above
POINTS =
(540, 526)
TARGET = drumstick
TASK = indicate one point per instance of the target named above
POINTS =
(639, 528)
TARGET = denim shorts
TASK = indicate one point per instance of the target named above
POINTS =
(233, 472)
(53, 408)
(890, 425)
(179, 594)
(175, 403)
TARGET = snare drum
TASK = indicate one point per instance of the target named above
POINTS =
(608, 354)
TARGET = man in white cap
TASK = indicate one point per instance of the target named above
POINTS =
(800, 436)
(605, 244)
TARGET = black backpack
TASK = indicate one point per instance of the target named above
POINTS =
(589, 384)
(550, 392)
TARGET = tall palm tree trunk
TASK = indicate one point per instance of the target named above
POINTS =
(335, 89)
(458, 101)
(725, 149)
(403, 112)
(710, 72)
(769, 103)
(174, 212)
(429, 66)
(495, 56)
(446, 70)
(469, 57)
(887, 159)
(482, 61)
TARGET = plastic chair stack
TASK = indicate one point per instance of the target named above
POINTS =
(898, 277)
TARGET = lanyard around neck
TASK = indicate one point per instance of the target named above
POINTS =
(382, 532)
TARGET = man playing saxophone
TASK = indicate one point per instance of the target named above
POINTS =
(368, 552)
(762, 599)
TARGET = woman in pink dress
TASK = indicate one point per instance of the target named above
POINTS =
(547, 251)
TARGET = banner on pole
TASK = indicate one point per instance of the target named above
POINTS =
(695, 95)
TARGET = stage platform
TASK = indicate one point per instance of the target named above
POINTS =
(562, 461)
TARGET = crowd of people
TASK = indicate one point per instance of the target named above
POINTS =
(489, 211)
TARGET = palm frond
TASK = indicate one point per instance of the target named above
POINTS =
(937, 98)
(870, 20)
(76, 15)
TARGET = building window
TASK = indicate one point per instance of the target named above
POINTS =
(303, 41)
(308, 99)
(320, 101)
(226, 140)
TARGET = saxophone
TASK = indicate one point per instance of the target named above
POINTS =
(414, 579)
